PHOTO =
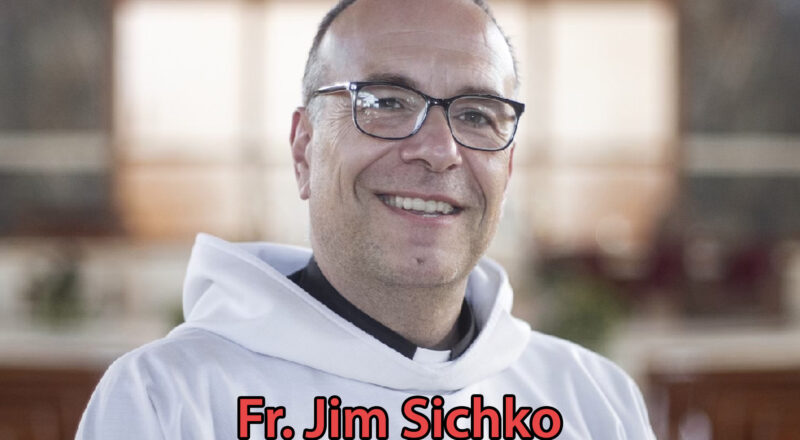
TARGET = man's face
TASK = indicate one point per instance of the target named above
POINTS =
(442, 48)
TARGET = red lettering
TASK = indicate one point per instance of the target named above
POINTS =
(319, 420)
(246, 417)
(450, 424)
(333, 417)
(437, 414)
(365, 418)
(479, 413)
(514, 419)
(555, 423)
(273, 414)
(422, 422)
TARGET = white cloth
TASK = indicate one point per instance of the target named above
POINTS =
(249, 331)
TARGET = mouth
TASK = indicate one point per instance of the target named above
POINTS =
(419, 206)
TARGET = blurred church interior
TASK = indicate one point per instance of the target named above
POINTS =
(653, 215)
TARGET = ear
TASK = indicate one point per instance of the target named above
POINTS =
(300, 140)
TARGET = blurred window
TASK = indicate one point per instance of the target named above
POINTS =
(55, 100)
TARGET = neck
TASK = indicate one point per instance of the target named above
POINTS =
(427, 316)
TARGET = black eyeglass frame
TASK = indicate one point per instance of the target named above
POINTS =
(355, 86)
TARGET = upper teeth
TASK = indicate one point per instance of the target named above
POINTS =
(415, 204)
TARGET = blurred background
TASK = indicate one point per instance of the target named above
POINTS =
(654, 212)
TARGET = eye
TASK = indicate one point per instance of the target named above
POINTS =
(389, 103)
(474, 118)
(372, 101)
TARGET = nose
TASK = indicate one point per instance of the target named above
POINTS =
(433, 145)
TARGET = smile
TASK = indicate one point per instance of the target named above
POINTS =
(419, 206)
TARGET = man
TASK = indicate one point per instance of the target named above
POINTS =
(395, 328)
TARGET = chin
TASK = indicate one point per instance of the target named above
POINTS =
(425, 270)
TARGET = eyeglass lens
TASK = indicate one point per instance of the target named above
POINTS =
(396, 112)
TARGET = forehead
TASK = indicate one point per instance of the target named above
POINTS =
(443, 46)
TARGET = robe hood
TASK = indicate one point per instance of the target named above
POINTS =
(240, 291)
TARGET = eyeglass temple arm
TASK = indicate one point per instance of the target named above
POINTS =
(332, 88)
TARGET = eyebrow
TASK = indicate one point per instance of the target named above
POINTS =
(408, 82)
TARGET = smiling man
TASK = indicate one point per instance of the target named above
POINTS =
(395, 326)
(397, 224)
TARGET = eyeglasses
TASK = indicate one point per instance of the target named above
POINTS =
(391, 111)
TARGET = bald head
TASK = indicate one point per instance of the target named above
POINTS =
(317, 67)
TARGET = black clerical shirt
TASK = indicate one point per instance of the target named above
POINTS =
(311, 279)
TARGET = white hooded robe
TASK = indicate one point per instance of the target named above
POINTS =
(250, 331)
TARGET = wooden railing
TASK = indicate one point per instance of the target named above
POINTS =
(43, 404)
(733, 405)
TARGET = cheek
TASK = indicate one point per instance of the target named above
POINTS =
(492, 174)
(340, 155)
(329, 150)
